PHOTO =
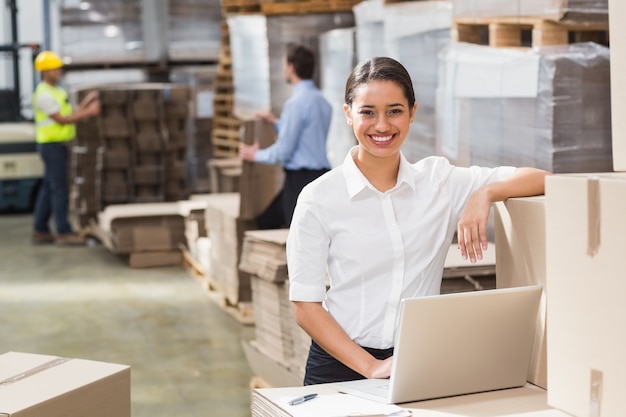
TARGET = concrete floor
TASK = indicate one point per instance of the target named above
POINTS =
(184, 351)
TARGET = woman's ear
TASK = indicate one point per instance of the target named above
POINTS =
(413, 110)
(348, 112)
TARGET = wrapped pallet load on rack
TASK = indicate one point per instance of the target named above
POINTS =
(106, 31)
(415, 33)
(572, 10)
(194, 30)
(547, 108)
(258, 45)
(370, 29)
(337, 58)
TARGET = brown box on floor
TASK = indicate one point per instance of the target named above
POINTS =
(226, 230)
(36, 385)
(259, 184)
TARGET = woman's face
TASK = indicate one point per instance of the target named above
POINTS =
(380, 117)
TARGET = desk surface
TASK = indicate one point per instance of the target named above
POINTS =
(528, 401)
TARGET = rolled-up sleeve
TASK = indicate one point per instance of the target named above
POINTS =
(289, 129)
(307, 252)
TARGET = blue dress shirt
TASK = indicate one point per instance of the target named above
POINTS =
(302, 131)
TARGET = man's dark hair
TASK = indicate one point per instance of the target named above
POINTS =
(303, 60)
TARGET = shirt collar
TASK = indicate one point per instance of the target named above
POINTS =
(356, 181)
(303, 85)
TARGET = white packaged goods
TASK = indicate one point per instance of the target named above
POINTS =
(547, 108)
(370, 29)
(584, 10)
(194, 29)
(414, 34)
(108, 31)
(258, 45)
(337, 58)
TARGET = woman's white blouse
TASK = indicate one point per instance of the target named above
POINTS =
(377, 248)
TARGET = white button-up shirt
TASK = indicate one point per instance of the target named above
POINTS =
(377, 248)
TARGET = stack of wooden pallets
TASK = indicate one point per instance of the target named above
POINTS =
(225, 136)
(498, 25)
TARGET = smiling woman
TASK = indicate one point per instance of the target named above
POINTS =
(380, 105)
(381, 229)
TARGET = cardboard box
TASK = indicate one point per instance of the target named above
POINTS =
(259, 184)
(226, 231)
(115, 127)
(146, 110)
(617, 9)
(585, 264)
(148, 174)
(155, 258)
(41, 385)
(520, 234)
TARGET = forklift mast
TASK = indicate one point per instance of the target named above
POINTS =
(10, 98)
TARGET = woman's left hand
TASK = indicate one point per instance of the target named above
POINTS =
(472, 227)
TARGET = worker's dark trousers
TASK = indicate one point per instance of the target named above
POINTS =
(322, 368)
(52, 200)
(280, 211)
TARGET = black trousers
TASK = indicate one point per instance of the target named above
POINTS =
(322, 368)
(280, 211)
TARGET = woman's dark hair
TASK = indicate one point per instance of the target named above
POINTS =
(303, 60)
(380, 69)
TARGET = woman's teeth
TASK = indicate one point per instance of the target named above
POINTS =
(381, 138)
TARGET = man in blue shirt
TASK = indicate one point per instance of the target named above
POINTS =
(301, 144)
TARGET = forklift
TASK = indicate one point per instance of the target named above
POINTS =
(21, 168)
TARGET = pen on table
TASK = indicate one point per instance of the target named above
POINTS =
(302, 399)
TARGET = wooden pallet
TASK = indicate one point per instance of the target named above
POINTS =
(227, 122)
(307, 7)
(527, 32)
(225, 133)
(240, 6)
(242, 311)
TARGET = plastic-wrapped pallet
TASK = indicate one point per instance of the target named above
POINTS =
(577, 10)
(337, 59)
(102, 31)
(547, 108)
(258, 44)
(415, 33)
(194, 29)
(370, 29)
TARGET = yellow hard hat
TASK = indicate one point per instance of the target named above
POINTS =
(47, 60)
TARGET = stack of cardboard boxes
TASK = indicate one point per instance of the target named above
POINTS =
(279, 339)
(148, 234)
(571, 241)
(134, 151)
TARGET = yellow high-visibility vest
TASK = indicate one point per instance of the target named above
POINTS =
(47, 129)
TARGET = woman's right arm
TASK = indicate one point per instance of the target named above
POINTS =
(322, 327)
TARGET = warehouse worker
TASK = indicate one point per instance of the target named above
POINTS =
(381, 228)
(54, 120)
(301, 144)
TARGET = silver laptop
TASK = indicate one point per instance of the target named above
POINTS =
(458, 344)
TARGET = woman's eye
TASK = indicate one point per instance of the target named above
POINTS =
(366, 112)
(395, 111)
